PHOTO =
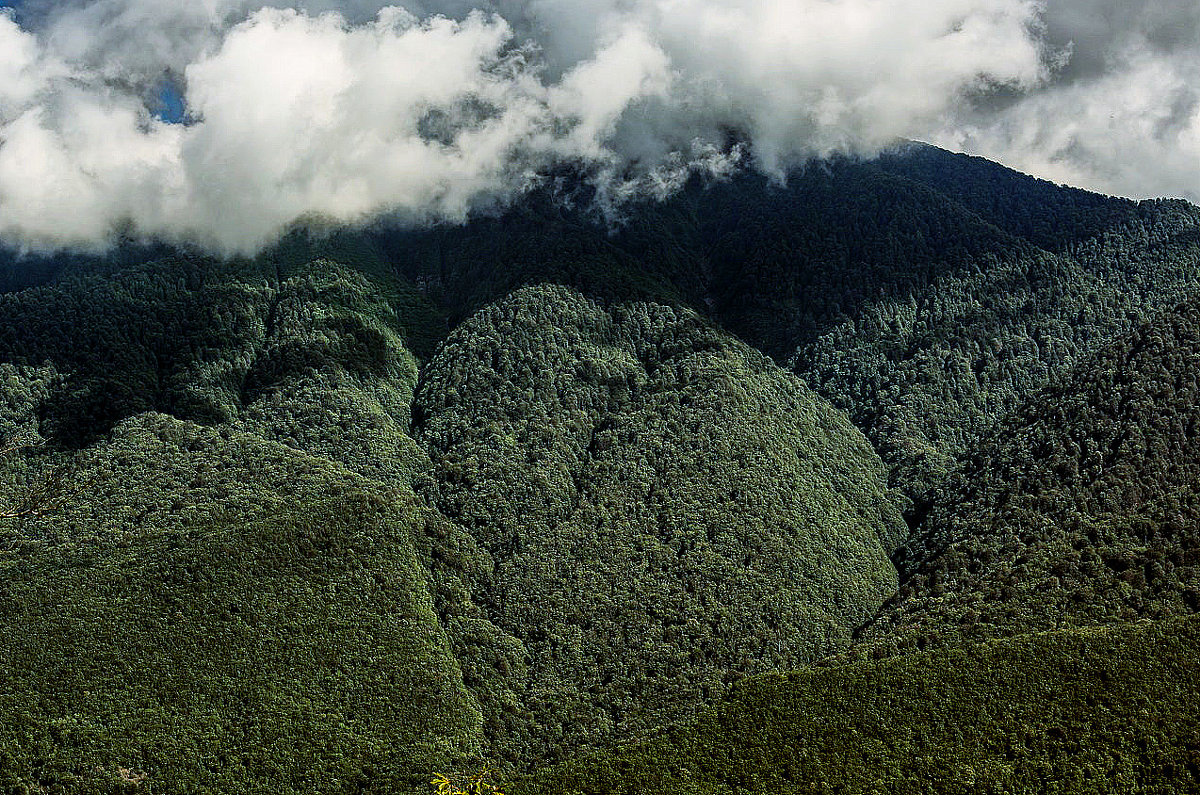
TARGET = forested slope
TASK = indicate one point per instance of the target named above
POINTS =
(558, 447)
(223, 614)
(381, 503)
(1052, 217)
(926, 372)
(1113, 712)
(247, 608)
(1081, 507)
(719, 518)
(924, 293)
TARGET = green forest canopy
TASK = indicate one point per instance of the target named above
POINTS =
(386, 503)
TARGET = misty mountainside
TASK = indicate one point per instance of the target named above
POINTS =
(571, 498)
(923, 293)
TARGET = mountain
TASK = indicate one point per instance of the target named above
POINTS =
(1081, 507)
(222, 612)
(573, 497)
(720, 518)
(926, 370)
(556, 446)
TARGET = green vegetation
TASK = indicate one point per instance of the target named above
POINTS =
(223, 614)
(1081, 507)
(629, 452)
(720, 519)
(379, 505)
(926, 372)
(477, 784)
(925, 294)
(1114, 711)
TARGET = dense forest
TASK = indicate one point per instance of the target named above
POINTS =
(880, 478)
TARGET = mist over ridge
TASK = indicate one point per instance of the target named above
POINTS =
(340, 112)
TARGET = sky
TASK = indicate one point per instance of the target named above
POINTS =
(224, 122)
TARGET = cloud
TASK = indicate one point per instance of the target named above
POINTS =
(1132, 131)
(1121, 116)
(337, 112)
(297, 116)
(305, 116)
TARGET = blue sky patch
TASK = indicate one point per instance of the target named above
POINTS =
(169, 105)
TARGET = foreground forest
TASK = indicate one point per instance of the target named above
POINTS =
(883, 479)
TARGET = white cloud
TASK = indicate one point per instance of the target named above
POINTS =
(815, 76)
(345, 110)
(24, 69)
(303, 115)
(1129, 126)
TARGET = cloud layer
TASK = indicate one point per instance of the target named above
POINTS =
(1121, 115)
(337, 112)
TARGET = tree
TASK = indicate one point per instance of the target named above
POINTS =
(42, 492)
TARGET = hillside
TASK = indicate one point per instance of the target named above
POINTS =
(1111, 711)
(1080, 508)
(923, 293)
(558, 446)
(814, 459)
(721, 520)
(223, 613)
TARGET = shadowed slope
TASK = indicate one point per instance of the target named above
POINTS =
(225, 614)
